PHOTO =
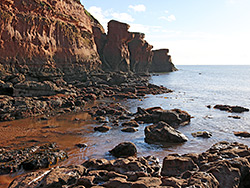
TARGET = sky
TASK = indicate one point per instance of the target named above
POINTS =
(197, 32)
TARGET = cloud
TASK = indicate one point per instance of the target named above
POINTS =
(166, 11)
(99, 14)
(170, 18)
(122, 17)
(138, 8)
(104, 16)
(144, 28)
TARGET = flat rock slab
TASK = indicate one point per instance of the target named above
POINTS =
(31, 158)
(228, 108)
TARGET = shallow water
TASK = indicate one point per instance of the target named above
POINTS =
(194, 88)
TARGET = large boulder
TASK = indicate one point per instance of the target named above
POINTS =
(124, 149)
(33, 88)
(174, 117)
(183, 163)
(162, 132)
(161, 61)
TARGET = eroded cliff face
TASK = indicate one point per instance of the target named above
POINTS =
(121, 50)
(116, 55)
(46, 45)
(140, 54)
(161, 61)
(46, 38)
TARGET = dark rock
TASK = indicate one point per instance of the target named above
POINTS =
(124, 149)
(81, 145)
(86, 181)
(31, 158)
(118, 182)
(242, 134)
(147, 182)
(162, 132)
(203, 134)
(131, 123)
(235, 109)
(174, 117)
(103, 128)
(129, 129)
(234, 117)
(174, 166)
(33, 88)
(57, 177)
(161, 61)
(44, 118)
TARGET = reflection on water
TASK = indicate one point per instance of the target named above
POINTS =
(193, 91)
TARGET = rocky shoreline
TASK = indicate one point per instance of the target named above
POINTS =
(223, 165)
(213, 168)
(74, 96)
(56, 58)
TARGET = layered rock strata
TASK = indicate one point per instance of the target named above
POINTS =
(53, 37)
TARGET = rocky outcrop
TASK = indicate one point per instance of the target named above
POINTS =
(32, 158)
(228, 108)
(40, 36)
(161, 61)
(121, 50)
(116, 55)
(58, 41)
(174, 117)
(140, 54)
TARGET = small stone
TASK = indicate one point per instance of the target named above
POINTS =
(83, 145)
(131, 123)
(234, 117)
(129, 129)
(44, 118)
(203, 134)
(103, 128)
(242, 134)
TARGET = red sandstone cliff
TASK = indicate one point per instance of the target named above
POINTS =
(116, 55)
(140, 54)
(57, 41)
(46, 34)
(161, 61)
(121, 50)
